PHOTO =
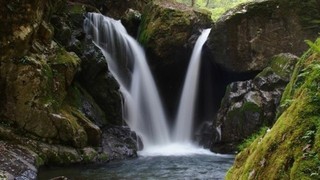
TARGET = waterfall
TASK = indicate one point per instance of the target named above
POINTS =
(143, 110)
(127, 63)
(184, 120)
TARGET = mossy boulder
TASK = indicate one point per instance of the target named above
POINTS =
(249, 105)
(168, 32)
(35, 89)
(245, 38)
(166, 28)
(290, 150)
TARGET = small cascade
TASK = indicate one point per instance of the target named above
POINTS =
(126, 60)
(184, 120)
(142, 108)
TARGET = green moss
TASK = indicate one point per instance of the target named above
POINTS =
(240, 112)
(104, 157)
(77, 9)
(217, 8)
(291, 149)
(39, 161)
(89, 155)
(247, 142)
(160, 19)
(67, 58)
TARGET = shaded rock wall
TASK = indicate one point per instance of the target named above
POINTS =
(249, 105)
(94, 75)
(245, 38)
(43, 108)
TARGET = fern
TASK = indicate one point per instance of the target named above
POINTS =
(314, 46)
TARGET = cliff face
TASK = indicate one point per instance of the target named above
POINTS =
(46, 114)
(245, 38)
(290, 150)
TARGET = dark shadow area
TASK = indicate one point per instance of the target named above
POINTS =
(212, 87)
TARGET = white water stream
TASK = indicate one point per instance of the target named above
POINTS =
(143, 110)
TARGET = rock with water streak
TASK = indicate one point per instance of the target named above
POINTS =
(245, 38)
(94, 76)
(249, 105)
(119, 143)
(17, 162)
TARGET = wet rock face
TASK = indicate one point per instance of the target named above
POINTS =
(249, 105)
(16, 37)
(119, 142)
(245, 38)
(41, 97)
(114, 8)
(94, 76)
(17, 162)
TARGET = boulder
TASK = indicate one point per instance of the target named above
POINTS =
(119, 143)
(167, 32)
(245, 38)
(131, 21)
(166, 28)
(249, 105)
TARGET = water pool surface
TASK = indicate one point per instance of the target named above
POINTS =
(152, 167)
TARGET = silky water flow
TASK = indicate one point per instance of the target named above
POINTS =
(167, 153)
(142, 107)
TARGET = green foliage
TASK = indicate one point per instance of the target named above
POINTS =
(291, 149)
(247, 142)
(217, 7)
(313, 46)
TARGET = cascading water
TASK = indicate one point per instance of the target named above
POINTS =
(183, 127)
(143, 109)
(127, 63)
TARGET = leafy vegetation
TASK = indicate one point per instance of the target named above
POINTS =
(247, 142)
(217, 7)
(291, 150)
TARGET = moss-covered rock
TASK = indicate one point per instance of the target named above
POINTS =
(249, 105)
(166, 28)
(168, 32)
(42, 108)
(245, 38)
(89, 155)
(290, 150)
(35, 88)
